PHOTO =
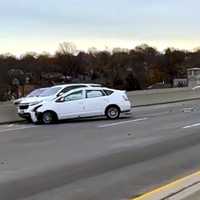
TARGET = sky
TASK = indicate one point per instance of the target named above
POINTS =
(40, 25)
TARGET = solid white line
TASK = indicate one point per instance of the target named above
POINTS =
(123, 122)
(10, 125)
(16, 129)
(186, 110)
(156, 114)
(192, 125)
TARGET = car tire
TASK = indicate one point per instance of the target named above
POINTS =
(48, 117)
(29, 120)
(112, 112)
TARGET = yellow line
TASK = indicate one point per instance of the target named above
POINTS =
(166, 187)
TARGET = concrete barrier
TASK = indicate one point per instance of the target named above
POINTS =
(8, 113)
(161, 96)
(138, 98)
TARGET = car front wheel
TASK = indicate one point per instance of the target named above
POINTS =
(48, 117)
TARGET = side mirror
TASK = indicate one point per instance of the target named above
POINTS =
(60, 100)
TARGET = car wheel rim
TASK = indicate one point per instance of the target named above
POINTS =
(113, 113)
(47, 118)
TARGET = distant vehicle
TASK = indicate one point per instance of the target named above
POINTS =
(196, 87)
(34, 93)
(46, 95)
(82, 102)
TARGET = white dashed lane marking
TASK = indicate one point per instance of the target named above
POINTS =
(13, 127)
(187, 110)
(122, 122)
(191, 126)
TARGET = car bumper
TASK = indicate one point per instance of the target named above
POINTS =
(125, 106)
(30, 116)
(25, 115)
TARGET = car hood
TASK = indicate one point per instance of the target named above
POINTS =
(35, 99)
(19, 99)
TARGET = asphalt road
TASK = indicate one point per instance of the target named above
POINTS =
(100, 159)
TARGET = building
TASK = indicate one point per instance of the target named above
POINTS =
(193, 75)
(180, 82)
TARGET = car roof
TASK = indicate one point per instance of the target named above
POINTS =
(93, 88)
(98, 88)
(86, 88)
(74, 84)
(89, 88)
(43, 88)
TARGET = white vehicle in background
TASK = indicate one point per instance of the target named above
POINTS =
(26, 104)
(83, 102)
(196, 87)
(34, 93)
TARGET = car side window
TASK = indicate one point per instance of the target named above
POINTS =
(74, 96)
(68, 88)
(94, 93)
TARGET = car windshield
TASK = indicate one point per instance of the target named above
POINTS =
(37, 92)
(50, 91)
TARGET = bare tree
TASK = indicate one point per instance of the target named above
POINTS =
(66, 48)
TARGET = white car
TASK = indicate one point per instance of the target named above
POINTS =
(196, 87)
(25, 105)
(83, 102)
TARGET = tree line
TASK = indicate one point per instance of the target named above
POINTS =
(133, 69)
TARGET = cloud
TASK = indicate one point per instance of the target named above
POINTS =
(78, 20)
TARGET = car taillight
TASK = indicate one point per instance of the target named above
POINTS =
(125, 97)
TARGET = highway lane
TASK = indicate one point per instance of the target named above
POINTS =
(100, 159)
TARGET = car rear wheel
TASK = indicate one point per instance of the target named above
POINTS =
(48, 117)
(112, 112)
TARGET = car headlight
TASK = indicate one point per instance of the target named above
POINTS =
(35, 103)
(17, 102)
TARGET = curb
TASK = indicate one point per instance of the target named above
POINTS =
(168, 102)
(178, 189)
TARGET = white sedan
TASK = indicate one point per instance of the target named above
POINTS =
(27, 104)
(83, 102)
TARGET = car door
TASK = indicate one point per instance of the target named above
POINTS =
(72, 105)
(95, 102)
